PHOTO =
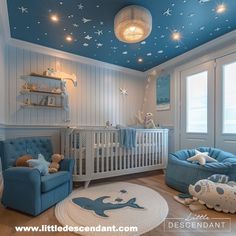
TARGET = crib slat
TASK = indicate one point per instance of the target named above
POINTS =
(103, 151)
(111, 150)
(116, 151)
(75, 156)
(97, 151)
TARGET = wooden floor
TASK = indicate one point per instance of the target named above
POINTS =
(154, 180)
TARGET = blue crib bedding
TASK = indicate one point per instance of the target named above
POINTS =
(127, 137)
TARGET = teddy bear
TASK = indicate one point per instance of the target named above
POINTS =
(55, 164)
(148, 121)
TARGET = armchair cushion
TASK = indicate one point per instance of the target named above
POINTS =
(51, 181)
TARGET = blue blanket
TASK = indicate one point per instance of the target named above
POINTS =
(128, 137)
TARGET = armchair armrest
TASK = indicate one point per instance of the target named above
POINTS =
(22, 174)
(67, 165)
(22, 189)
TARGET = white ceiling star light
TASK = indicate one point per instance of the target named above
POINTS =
(176, 36)
(221, 8)
(133, 24)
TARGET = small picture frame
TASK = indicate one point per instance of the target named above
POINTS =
(51, 101)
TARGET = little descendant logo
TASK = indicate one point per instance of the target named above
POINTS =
(200, 223)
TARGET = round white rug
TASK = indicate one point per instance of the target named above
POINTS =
(119, 204)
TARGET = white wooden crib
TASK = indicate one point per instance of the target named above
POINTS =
(98, 153)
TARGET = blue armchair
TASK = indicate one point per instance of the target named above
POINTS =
(25, 189)
(180, 173)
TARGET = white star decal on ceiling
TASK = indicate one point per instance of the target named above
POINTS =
(149, 54)
(167, 12)
(99, 32)
(71, 16)
(88, 37)
(203, 1)
(23, 9)
(143, 43)
(125, 53)
(85, 20)
(99, 45)
(160, 51)
(191, 15)
(75, 25)
(85, 44)
(202, 28)
(80, 6)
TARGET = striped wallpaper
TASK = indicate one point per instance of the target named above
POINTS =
(94, 101)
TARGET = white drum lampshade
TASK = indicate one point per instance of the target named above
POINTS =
(133, 24)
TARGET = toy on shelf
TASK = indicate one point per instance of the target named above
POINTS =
(56, 90)
(27, 101)
(43, 101)
(62, 75)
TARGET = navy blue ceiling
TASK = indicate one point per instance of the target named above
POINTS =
(90, 24)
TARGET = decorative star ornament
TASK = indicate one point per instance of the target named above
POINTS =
(23, 9)
(167, 12)
(75, 25)
(88, 37)
(99, 45)
(203, 1)
(123, 91)
(201, 158)
(80, 6)
(85, 20)
(99, 32)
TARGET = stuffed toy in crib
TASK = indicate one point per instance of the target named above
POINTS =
(148, 121)
(215, 195)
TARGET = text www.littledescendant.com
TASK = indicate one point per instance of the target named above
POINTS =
(56, 228)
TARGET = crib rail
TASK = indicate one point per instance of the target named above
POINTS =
(98, 154)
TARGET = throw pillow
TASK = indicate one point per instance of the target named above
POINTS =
(41, 164)
(22, 161)
(201, 158)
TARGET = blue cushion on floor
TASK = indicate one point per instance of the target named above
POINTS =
(51, 181)
(180, 173)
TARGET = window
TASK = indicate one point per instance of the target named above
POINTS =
(229, 98)
(197, 103)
